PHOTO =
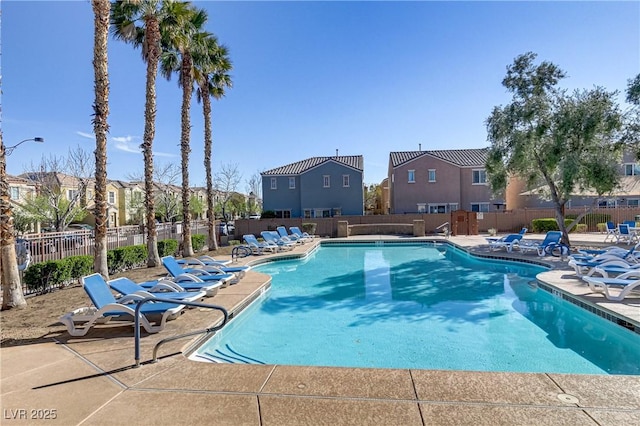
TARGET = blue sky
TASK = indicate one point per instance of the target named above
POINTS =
(365, 78)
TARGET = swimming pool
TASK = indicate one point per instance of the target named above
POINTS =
(418, 306)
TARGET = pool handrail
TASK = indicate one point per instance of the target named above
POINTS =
(177, 302)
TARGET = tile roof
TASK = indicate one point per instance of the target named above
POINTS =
(458, 157)
(353, 161)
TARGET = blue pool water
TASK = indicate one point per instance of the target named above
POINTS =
(419, 306)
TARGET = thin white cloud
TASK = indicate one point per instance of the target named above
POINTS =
(126, 144)
(163, 154)
(86, 135)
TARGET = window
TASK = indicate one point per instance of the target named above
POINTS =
(345, 181)
(337, 212)
(633, 202)
(274, 183)
(307, 214)
(411, 178)
(432, 175)
(112, 197)
(479, 177)
(631, 169)
(422, 208)
(292, 183)
(442, 208)
(283, 214)
(437, 208)
(15, 193)
(480, 207)
(71, 194)
(326, 181)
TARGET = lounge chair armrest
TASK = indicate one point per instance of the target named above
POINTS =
(186, 277)
(629, 275)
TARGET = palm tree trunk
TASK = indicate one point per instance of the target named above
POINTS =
(212, 241)
(187, 88)
(12, 296)
(101, 9)
(153, 39)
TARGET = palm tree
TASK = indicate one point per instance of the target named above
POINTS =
(101, 10)
(12, 296)
(212, 78)
(138, 22)
(183, 37)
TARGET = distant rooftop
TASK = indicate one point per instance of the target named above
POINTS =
(353, 161)
(458, 157)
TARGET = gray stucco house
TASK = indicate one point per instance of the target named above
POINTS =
(315, 187)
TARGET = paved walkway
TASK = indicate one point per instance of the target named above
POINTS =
(92, 380)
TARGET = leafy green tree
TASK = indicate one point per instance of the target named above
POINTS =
(562, 143)
(22, 221)
(62, 184)
(373, 199)
(237, 205)
(197, 206)
(54, 210)
(632, 116)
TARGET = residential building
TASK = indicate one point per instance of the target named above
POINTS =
(130, 197)
(20, 189)
(518, 196)
(439, 182)
(315, 187)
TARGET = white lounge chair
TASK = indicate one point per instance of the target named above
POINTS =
(509, 242)
(285, 236)
(272, 237)
(295, 230)
(259, 247)
(206, 274)
(208, 261)
(628, 282)
(128, 288)
(106, 307)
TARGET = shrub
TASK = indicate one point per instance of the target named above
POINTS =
(42, 276)
(544, 225)
(309, 228)
(234, 242)
(602, 227)
(581, 227)
(124, 258)
(80, 266)
(168, 247)
(197, 241)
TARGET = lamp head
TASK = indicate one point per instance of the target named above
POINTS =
(38, 139)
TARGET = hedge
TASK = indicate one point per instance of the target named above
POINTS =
(198, 241)
(544, 225)
(56, 273)
(167, 247)
(123, 258)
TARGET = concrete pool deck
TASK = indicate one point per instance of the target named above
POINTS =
(92, 380)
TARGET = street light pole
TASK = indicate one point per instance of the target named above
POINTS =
(12, 295)
(9, 149)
